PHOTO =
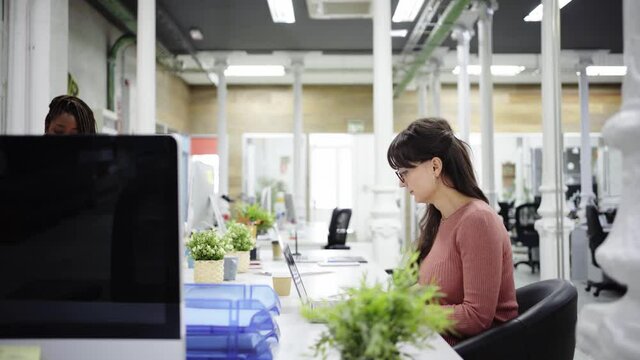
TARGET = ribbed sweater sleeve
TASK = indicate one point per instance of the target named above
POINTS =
(480, 248)
(471, 263)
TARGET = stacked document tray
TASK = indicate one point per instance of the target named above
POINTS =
(231, 321)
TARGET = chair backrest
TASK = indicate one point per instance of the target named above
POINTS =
(338, 226)
(526, 216)
(545, 328)
(504, 212)
(594, 231)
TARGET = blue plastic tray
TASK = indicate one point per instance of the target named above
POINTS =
(262, 293)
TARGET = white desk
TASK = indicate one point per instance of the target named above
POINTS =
(297, 334)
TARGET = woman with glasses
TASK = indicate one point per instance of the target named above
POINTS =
(463, 245)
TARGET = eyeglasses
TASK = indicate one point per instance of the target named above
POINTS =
(401, 174)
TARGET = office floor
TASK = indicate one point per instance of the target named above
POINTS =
(523, 276)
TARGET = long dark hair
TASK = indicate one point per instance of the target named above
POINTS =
(421, 141)
(72, 105)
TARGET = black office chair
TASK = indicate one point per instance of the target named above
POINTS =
(596, 237)
(337, 237)
(544, 329)
(526, 233)
(505, 207)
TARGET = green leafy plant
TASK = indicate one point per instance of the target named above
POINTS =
(374, 319)
(254, 215)
(239, 236)
(208, 245)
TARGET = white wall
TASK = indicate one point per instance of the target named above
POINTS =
(90, 37)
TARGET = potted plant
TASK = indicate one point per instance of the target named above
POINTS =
(208, 249)
(374, 320)
(239, 236)
(254, 215)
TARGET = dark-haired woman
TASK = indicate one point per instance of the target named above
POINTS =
(69, 115)
(464, 247)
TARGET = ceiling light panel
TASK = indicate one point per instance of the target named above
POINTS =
(536, 14)
(399, 33)
(606, 70)
(196, 34)
(281, 11)
(254, 70)
(496, 70)
(407, 10)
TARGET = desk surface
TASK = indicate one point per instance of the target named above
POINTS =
(297, 334)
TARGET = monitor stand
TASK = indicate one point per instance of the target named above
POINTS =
(337, 247)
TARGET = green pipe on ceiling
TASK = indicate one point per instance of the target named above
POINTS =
(122, 42)
(436, 38)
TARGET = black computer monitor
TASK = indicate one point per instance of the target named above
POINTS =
(90, 246)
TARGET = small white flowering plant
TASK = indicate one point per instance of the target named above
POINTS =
(208, 245)
(239, 236)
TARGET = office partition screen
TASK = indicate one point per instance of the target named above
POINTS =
(89, 237)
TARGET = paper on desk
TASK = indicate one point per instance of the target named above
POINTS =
(12, 352)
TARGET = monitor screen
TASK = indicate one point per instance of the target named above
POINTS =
(89, 237)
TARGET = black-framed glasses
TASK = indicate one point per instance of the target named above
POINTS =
(401, 174)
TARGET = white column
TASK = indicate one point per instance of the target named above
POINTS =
(422, 95)
(223, 137)
(552, 228)
(146, 68)
(463, 36)
(385, 225)
(299, 153)
(610, 330)
(17, 77)
(485, 50)
(435, 88)
(38, 63)
(519, 186)
(586, 183)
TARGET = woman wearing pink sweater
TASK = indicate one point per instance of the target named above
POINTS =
(464, 247)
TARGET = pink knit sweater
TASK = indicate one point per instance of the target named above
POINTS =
(471, 262)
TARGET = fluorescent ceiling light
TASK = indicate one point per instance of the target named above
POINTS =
(281, 11)
(196, 34)
(254, 70)
(399, 33)
(407, 10)
(496, 70)
(606, 70)
(536, 14)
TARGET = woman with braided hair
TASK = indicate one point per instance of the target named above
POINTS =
(463, 245)
(69, 115)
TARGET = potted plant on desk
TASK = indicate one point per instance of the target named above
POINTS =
(254, 215)
(208, 249)
(374, 319)
(239, 236)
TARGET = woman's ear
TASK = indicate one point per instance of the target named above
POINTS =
(436, 163)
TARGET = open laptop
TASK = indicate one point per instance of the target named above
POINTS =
(302, 291)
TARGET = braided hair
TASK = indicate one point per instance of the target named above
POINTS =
(75, 107)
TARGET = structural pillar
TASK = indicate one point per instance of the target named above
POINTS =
(435, 88)
(385, 224)
(463, 36)
(586, 184)
(299, 153)
(223, 137)
(422, 95)
(485, 51)
(146, 68)
(553, 230)
(37, 62)
(610, 330)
